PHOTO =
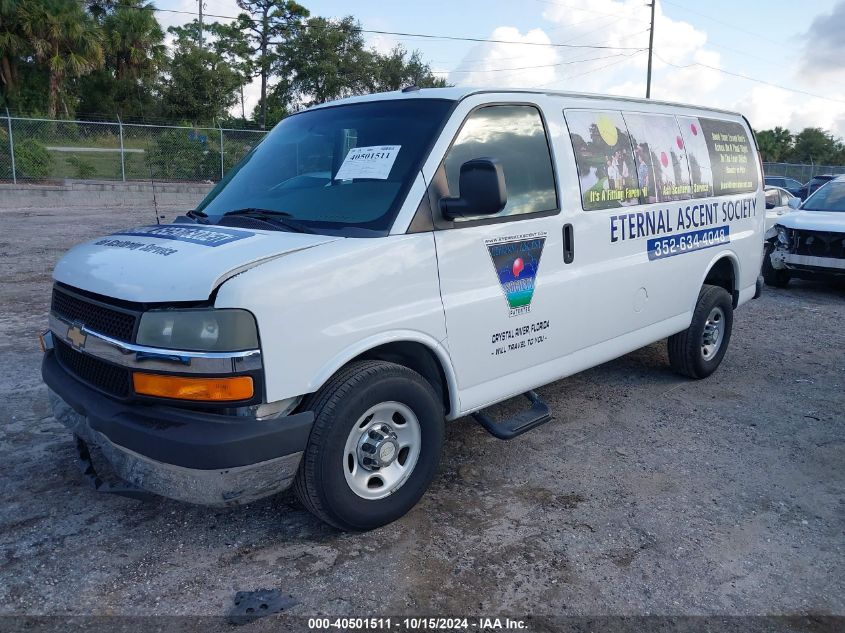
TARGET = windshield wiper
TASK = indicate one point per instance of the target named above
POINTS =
(283, 218)
(199, 216)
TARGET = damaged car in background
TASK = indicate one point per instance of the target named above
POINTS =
(809, 243)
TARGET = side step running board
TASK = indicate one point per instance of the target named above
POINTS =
(524, 421)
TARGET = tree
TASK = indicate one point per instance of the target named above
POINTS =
(774, 144)
(326, 60)
(65, 41)
(134, 53)
(200, 85)
(133, 40)
(12, 44)
(814, 145)
(229, 42)
(266, 24)
(393, 72)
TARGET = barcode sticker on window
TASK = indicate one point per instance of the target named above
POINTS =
(374, 161)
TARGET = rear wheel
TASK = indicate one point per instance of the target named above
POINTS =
(374, 448)
(775, 277)
(697, 351)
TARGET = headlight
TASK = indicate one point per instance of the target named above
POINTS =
(202, 330)
(783, 235)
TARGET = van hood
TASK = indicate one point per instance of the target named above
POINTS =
(173, 262)
(814, 221)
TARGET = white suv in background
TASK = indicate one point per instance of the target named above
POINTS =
(809, 242)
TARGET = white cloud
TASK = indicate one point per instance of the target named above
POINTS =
(619, 24)
(689, 74)
(824, 46)
(508, 65)
(768, 106)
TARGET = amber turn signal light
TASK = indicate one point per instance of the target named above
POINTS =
(189, 388)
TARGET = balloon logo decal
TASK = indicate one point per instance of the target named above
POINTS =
(680, 142)
(694, 129)
(607, 130)
(664, 159)
(516, 263)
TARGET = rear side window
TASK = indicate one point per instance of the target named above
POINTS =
(698, 156)
(661, 157)
(673, 157)
(732, 156)
(607, 171)
(516, 136)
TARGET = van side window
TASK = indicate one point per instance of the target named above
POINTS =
(514, 135)
(732, 156)
(698, 156)
(607, 171)
(661, 157)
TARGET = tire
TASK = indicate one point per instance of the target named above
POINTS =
(332, 468)
(691, 353)
(776, 278)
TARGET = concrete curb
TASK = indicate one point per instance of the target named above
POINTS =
(105, 194)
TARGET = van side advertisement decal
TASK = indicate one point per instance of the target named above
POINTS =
(517, 260)
(633, 158)
(212, 236)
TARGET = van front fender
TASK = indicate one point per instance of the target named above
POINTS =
(363, 346)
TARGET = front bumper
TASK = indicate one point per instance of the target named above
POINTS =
(186, 455)
(808, 264)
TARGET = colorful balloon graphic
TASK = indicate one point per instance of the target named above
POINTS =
(518, 266)
(664, 159)
(680, 142)
(607, 130)
(694, 129)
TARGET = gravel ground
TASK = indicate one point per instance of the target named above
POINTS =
(648, 494)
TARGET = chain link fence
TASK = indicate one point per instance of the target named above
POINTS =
(39, 150)
(799, 172)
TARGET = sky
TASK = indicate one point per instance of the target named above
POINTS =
(699, 48)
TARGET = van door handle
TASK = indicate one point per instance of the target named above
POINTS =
(568, 244)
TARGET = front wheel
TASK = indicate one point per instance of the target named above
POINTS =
(374, 448)
(697, 351)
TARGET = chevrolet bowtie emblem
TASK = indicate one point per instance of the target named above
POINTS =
(76, 336)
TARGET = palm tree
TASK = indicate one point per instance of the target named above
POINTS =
(133, 40)
(65, 41)
(11, 44)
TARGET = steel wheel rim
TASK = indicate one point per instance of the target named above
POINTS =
(373, 483)
(714, 331)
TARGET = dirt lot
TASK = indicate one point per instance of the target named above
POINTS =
(649, 494)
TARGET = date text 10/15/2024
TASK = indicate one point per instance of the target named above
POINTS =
(417, 624)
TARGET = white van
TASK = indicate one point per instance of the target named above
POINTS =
(380, 264)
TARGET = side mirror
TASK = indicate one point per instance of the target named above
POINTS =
(794, 203)
(482, 190)
(770, 204)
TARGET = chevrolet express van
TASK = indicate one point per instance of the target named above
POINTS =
(379, 265)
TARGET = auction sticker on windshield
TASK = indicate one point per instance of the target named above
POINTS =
(374, 161)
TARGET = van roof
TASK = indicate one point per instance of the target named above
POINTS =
(456, 93)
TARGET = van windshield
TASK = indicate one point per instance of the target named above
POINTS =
(340, 170)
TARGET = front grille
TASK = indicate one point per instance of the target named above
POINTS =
(96, 316)
(109, 378)
(819, 244)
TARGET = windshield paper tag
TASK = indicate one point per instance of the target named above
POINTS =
(374, 161)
